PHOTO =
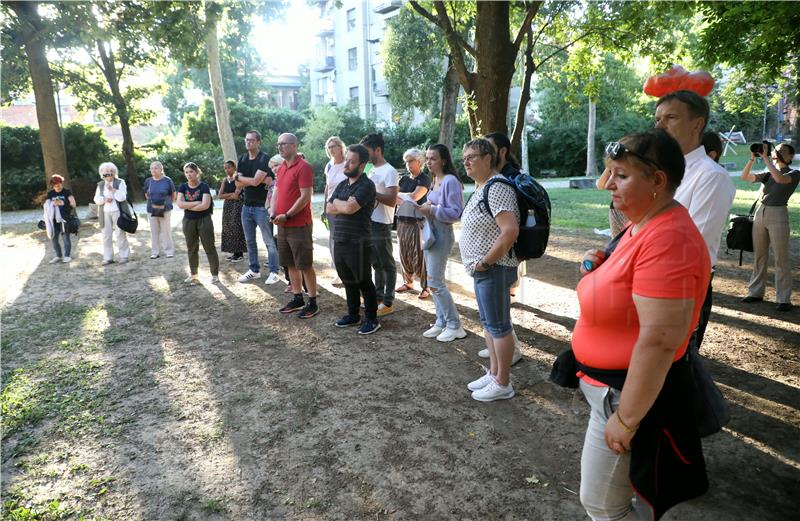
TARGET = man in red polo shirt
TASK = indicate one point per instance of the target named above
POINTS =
(291, 211)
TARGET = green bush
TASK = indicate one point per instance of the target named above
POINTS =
(22, 187)
(206, 155)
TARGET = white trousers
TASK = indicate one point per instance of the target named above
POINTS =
(161, 235)
(606, 491)
(109, 225)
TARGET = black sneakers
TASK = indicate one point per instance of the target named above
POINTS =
(369, 327)
(294, 305)
(347, 321)
(310, 310)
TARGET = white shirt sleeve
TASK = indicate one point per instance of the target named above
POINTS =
(121, 193)
(98, 196)
(710, 206)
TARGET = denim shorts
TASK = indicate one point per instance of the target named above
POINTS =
(494, 301)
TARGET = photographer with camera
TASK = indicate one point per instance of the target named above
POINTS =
(771, 222)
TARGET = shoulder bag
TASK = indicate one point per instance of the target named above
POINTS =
(127, 220)
(740, 232)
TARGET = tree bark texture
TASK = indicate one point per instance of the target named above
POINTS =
(218, 90)
(591, 156)
(495, 55)
(447, 118)
(525, 96)
(55, 159)
(121, 109)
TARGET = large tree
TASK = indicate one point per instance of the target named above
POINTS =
(762, 38)
(28, 31)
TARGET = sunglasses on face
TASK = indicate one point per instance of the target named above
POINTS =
(616, 150)
(108, 175)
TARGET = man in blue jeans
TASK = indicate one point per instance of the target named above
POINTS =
(253, 173)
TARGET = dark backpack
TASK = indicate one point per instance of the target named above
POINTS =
(534, 214)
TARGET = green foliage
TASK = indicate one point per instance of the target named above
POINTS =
(22, 187)
(85, 147)
(414, 57)
(201, 125)
(16, 77)
(207, 156)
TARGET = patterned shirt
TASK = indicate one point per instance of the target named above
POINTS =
(479, 229)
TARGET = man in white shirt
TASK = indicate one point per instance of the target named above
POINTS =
(386, 186)
(706, 190)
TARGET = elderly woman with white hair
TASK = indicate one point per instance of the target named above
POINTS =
(111, 198)
(160, 193)
(413, 192)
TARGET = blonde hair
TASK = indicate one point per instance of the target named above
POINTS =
(414, 154)
(193, 166)
(275, 161)
(158, 164)
(107, 166)
(337, 140)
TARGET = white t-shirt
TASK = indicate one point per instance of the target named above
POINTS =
(334, 174)
(707, 192)
(384, 177)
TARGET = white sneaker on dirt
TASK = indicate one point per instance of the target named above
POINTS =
(448, 335)
(191, 279)
(249, 275)
(433, 332)
(272, 278)
(481, 382)
(484, 353)
(55, 260)
(214, 279)
(66, 260)
(493, 391)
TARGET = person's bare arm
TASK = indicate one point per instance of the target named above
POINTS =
(256, 180)
(389, 198)
(509, 230)
(416, 195)
(339, 207)
(776, 174)
(663, 326)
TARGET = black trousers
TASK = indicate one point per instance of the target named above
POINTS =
(353, 264)
(705, 314)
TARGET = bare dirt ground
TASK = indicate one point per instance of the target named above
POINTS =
(130, 395)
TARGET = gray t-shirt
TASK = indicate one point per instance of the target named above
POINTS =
(776, 194)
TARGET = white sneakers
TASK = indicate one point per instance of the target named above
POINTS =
(191, 279)
(481, 382)
(448, 335)
(271, 279)
(250, 275)
(55, 260)
(493, 391)
(214, 279)
(433, 332)
(484, 353)
(66, 260)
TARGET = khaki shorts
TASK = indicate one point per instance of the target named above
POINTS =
(296, 246)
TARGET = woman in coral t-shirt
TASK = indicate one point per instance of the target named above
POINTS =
(638, 309)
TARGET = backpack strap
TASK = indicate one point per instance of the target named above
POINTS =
(501, 180)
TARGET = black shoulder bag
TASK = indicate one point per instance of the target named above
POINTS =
(740, 232)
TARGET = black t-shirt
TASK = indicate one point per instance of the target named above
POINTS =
(190, 194)
(228, 187)
(358, 226)
(63, 195)
(409, 184)
(510, 171)
(254, 195)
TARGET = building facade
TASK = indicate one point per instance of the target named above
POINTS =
(347, 66)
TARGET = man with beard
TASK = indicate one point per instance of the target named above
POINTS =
(352, 203)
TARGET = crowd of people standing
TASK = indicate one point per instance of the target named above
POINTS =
(644, 301)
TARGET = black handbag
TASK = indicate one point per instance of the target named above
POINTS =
(740, 232)
(711, 411)
(73, 224)
(127, 222)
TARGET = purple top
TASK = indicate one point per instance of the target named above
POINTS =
(447, 200)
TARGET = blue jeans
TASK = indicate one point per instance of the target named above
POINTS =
(253, 216)
(436, 264)
(58, 230)
(494, 302)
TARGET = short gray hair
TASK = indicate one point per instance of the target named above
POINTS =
(107, 165)
(482, 146)
(414, 154)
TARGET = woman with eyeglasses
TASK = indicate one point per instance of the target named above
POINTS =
(111, 198)
(489, 229)
(194, 197)
(443, 209)
(638, 308)
(413, 191)
(334, 174)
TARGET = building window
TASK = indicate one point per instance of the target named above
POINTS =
(354, 95)
(351, 20)
(352, 59)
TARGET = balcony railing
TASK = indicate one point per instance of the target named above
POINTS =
(325, 64)
(387, 6)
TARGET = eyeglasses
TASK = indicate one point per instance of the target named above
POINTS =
(616, 150)
(470, 158)
(285, 144)
(330, 147)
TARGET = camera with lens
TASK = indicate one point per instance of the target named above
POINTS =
(757, 148)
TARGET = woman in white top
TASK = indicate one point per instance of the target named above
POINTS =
(110, 194)
(334, 174)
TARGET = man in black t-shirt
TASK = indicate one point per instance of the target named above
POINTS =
(352, 203)
(255, 176)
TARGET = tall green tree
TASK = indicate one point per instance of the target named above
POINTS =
(27, 31)
(761, 38)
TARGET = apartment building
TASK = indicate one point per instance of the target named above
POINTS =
(347, 66)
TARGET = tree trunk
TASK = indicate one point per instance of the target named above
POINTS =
(525, 96)
(121, 109)
(217, 89)
(797, 102)
(55, 159)
(495, 57)
(447, 119)
(591, 157)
